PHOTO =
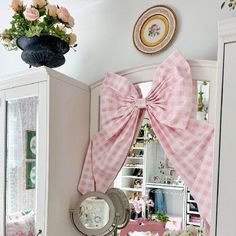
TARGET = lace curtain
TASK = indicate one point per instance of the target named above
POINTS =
(21, 116)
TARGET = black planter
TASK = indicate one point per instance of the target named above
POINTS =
(45, 50)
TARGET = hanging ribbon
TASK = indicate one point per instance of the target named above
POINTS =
(187, 142)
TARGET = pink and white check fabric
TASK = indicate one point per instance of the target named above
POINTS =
(187, 142)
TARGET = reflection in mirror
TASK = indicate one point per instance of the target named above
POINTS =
(94, 213)
(101, 214)
(149, 179)
(202, 100)
(21, 166)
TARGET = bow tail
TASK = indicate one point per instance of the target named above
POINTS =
(106, 156)
(190, 151)
(86, 182)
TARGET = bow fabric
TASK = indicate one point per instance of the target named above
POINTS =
(187, 142)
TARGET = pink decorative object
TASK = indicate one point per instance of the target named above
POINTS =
(142, 225)
(174, 223)
(187, 142)
(19, 224)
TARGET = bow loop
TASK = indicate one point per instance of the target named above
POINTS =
(118, 102)
(171, 93)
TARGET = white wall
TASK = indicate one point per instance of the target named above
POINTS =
(104, 29)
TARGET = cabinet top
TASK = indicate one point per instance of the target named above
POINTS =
(36, 75)
(227, 27)
(144, 73)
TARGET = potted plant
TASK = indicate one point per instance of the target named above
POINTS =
(202, 107)
(43, 31)
(162, 217)
(231, 4)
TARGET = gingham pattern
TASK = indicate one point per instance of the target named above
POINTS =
(186, 141)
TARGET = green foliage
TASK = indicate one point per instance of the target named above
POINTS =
(162, 217)
(149, 134)
(44, 23)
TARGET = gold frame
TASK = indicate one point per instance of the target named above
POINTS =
(155, 41)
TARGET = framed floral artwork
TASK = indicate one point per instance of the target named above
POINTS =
(30, 144)
(154, 29)
(30, 174)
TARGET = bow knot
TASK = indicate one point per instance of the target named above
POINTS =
(140, 103)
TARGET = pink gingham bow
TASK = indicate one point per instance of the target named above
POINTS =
(187, 142)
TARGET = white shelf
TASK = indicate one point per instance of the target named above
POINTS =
(194, 224)
(137, 148)
(135, 158)
(165, 186)
(188, 198)
(132, 189)
(133, 167)
(189, 211)
(132, 177)
(193, 212)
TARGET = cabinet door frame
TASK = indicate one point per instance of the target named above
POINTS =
(226, 37)
(2, 160)
(39, 90)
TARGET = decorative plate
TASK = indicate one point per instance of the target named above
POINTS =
(154, 29)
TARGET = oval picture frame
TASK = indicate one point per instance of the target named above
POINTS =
(154, 29)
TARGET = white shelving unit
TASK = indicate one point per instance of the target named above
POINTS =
(193, 216)
(131, 179)
(142, 165)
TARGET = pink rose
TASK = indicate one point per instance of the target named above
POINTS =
(16, 5)
(63, 14)
(51, 10)
(39, 3)
(154, 27)
(20, 234)
(73, 38)
(31, 14)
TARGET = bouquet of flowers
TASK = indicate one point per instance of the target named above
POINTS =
(39, 18)
(231, 4)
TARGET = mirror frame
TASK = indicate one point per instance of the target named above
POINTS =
(108, 228)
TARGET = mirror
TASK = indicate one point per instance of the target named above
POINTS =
(94, 212)
(101, 214)
(21, 152)
(149, 179)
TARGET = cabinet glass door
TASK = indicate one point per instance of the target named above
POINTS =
(20, 164)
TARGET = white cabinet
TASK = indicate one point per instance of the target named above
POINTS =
(42, 172)
(224, 218)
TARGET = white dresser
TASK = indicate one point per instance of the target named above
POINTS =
(55, 108)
